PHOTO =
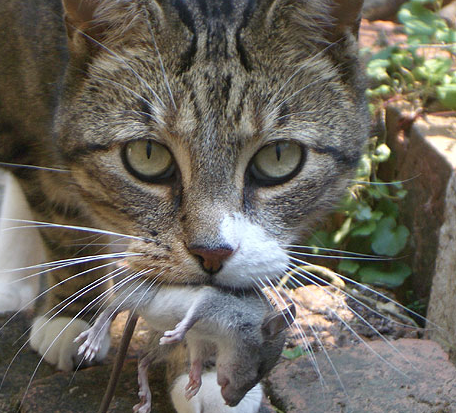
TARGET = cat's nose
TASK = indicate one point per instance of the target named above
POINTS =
(211, 258)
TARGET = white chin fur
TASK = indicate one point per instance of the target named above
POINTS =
(257, 256)
(54, 340)
(209, 397)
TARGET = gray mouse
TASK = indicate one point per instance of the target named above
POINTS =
(245, 332)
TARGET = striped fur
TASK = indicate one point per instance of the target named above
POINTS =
(214, 81)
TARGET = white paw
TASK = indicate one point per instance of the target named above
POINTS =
(54, 340)
(17, 296)
(10, 298)
(209, 398)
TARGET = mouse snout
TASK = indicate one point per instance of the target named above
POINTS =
(222, 380)
(231, 395)
(228, 391)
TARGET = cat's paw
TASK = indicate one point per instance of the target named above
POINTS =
(10, 298)
(55, 340)
(16, 296)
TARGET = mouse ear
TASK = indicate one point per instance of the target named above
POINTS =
(277, 322)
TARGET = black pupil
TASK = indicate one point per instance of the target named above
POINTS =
(149, 149)
(278, 151)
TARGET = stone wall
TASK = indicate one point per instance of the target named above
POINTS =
(424, 156)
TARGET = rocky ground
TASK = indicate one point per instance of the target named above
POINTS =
(349, 368)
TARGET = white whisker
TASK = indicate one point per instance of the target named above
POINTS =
(51, 288)
(302, 335)
(347, 253)
(66, 263)
(379, 294)
(40, 224)
(347, 325)
(42, 168)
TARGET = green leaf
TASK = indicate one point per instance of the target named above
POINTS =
(418, 20)
(293, 353)
(447, 95)
(349, 267)
(401, 194)
(388, 238)
(376, 215)
(378, 191)
(364, 167)
(391, 278)
(388, 207)
(433, 70)
(365, 229)
(381, 153)
(363, 212)
(320, 239)
(348, 203)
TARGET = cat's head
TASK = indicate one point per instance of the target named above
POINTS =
(216, 131)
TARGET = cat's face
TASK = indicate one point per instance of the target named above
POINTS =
(228, 128)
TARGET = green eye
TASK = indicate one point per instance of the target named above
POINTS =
(148, 160)
(277, 162)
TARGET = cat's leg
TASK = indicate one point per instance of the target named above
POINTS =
(20, 247)
(209, 398)
(78, 271)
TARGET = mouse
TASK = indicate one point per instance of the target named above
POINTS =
(242, 329)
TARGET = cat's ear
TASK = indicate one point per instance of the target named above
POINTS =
(95, 24)
(324, 20)
(346, 18)
(81, 25)
(278, 322)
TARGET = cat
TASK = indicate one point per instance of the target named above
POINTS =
(207, 136)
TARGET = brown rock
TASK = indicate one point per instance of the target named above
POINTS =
(426, 383)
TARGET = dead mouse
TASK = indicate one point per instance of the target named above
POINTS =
(246, 333)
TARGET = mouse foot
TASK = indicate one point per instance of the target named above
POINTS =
(145, 405)
(194, 380)
(91, 340)
(174, 336)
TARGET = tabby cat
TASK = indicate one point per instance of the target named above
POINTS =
(205, 136)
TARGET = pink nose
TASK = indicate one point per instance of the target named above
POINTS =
(212, 258)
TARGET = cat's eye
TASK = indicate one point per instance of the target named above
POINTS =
(277, 162)
(148, 160)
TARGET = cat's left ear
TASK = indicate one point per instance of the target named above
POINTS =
(80, 23)
(278, 322)
(346, 15)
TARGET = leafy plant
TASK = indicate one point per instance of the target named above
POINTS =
(368, 216)
(420, 71)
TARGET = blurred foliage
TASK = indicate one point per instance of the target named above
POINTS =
(421, 69)
(368, 215)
